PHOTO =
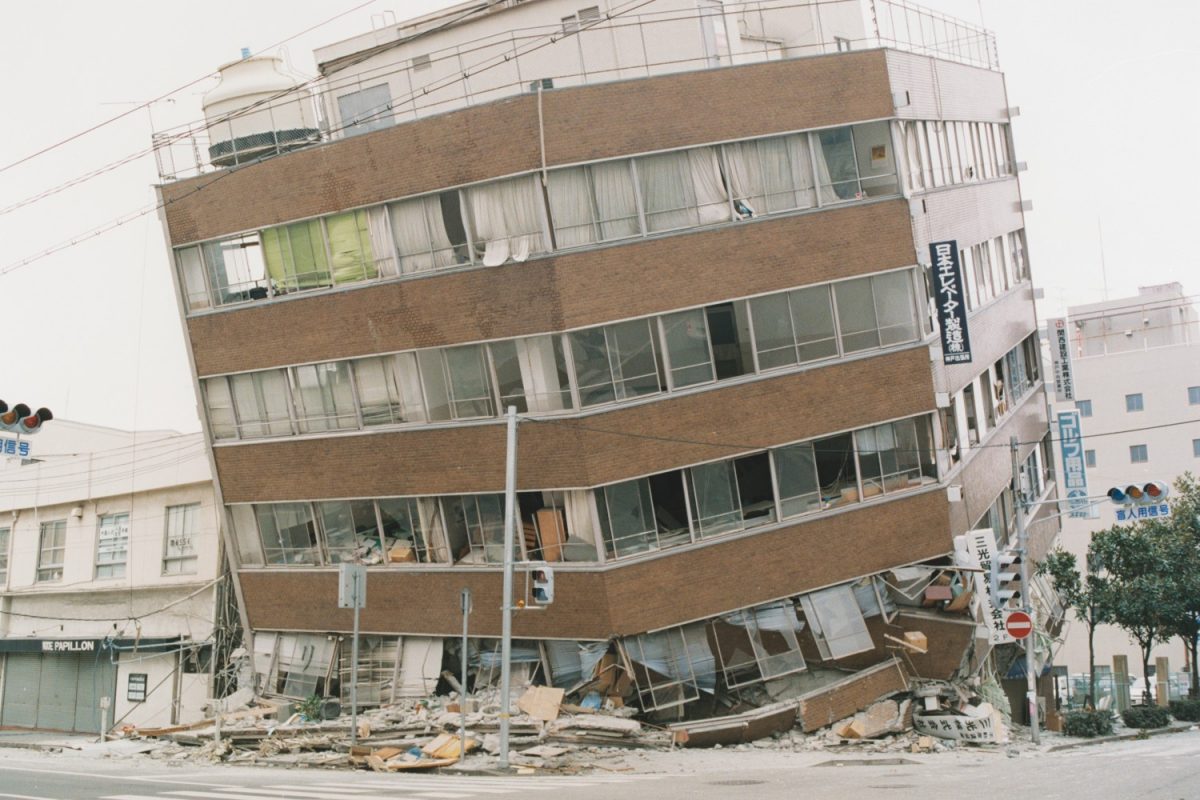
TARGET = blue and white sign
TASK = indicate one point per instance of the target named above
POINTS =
(951, 303)
(14, 447)
(1070, 442)
(1156, 511)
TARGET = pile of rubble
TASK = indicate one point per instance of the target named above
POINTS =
(551, 734)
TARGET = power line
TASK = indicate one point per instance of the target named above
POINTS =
(175, 91)
(501, 60)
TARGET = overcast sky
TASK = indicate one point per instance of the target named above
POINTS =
(1104, 88)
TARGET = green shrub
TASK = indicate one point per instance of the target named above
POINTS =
(310, 708)
(1186, 710)
(1146, 717)
(1088, 723)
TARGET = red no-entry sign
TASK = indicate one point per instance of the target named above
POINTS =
(1018, 624)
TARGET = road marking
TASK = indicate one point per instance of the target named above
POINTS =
(25, 796)
(122, 778)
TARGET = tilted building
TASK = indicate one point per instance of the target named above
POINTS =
(690, 243)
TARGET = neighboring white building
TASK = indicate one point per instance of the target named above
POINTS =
(110, 590)
(1136, 365)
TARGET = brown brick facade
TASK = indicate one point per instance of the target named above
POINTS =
(621, 599)
(846, 697)
(560, 292)
(579, 453)
(501, 138)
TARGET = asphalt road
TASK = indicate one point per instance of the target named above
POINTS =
(1161, 768)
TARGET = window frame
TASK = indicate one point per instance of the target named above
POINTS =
(53, 570)
(112, 569)
(191, 522)
(1139, 454)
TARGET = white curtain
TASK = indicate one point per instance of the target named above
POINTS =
(507, 219)
(712, 201)
(667, 191)
(421, 235)
(616, 201)
(577, 504)
(408, 382)
(571, 207)
(771, 175)
(912, 147)
(431, 529)
(381, 241)
(539, 374)
(828, 193)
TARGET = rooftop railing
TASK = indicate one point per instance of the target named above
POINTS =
(616, 45)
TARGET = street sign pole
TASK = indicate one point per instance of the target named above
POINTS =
(352, 593)
(510, 497)
(462, 699)
(1026, 594)
(354, 665)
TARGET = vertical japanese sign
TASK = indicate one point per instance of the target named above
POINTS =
(1060, 356)
(1070, 442)
(950, 302)
(977, 550)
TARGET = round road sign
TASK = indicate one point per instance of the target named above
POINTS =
(1018, 624)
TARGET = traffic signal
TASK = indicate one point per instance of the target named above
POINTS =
(19, 419)
(1147, 494)
(1006, 578)
(543, 586)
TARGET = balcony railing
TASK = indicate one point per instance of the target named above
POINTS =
(609, 47)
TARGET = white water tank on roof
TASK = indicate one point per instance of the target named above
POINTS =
(257, 109)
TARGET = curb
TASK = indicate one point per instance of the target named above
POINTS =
(1125, 737)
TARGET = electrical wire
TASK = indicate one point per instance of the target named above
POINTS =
(117, 222)
(148, 103)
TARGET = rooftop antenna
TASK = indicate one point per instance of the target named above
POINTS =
(1103, 267)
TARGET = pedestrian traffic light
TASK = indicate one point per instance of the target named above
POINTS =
(19, 419)
(1147, 494)
(543, 586)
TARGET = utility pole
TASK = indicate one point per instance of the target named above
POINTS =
(1026, 594)
(510, 507)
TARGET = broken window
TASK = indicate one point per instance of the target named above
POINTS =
(572, 663)
(988, 398)
(671, 667)
(796, 473)
(378, 663)
(235, 269)
(289, 533)
(351, 531)
(644, 514)
(972, 414)
(531, 374)
(836, 622)
(688, 349)
(410, 531)
(895, 456)
(302, 665)
(729, 333)
(758, 644)
(837, 474)
(555, 527)
(616, 362)
(732, 495)
(429, 232)
(475, 527)
(221, 419)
